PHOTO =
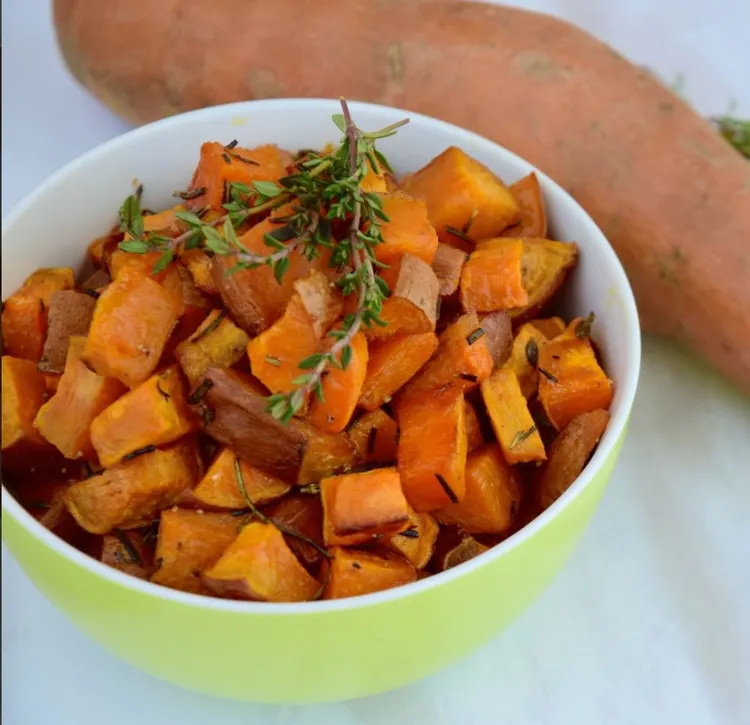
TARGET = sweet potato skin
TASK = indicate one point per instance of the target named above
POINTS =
(70, 313)
(353, 573)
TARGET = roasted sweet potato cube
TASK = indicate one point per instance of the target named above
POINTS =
(190, 542)
(492, 278)
(524, 357)
(303, 514)
(392, 364)
(195, 308)
(460, 192)
(24, 318)
(126, 265)
(353, 573)
(408, 230)
(511, 420)
(569, 454)
(24, 392)
(132, 322)
(432, 448)
(454, 546)
(218, 343)
(220, 489)
(51, 382)
(571, 380)
(260, 565)
(95, 284)
(100, 250)
(325, 453)
(65, 420)
(375, 437)
(494, 491)
(357, 506)
(374, 181)
(474, 436)
(133, 492)
(200, 266)
(70, 314)
(447, 265)
(416, 543)
(528, 196)
(128, 552)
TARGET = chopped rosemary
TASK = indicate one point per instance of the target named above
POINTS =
(547, 374)
(356, 565)
(271, 360)
(465, 228)
(458, 233)
(164, 394)
(127, 544)
(312, 489)
(520, 437)
(532, 352)
(471, 339)
(197, 395)
(227, 157)
(211, 327)
(232, 144)
(190, 193)
(448, 490)
(468, 377)
(139, 452)
(411, 533)
(92, 293)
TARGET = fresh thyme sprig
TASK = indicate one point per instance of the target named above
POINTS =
(736, 131)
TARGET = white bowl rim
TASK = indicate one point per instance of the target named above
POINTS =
(627, 384)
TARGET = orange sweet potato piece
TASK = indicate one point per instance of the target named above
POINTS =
(550, 327)
(70, 313)
(128, 552)
(457, 189)
(325, 453)
(100, 250)
(447, 264)
(51, 383)
(219, 487)
(341, 390)
(498, 336)
(454, 546)
(24, 318)
(24, 392)
(392, 364)
(259, 565)
(432, 448)
(492, 278)
(126, 265)
(131, 493)
(195, 308)
(200, 266)
(569, 453)
(65, 420)
(353, 573)
(494, 491)
(374, 181)
(132, 322)
(374, 436)
(510, 417)
(528, 196)
(573, 382)
(412, 306)
(474, 437)
(358, 506)
(303, 514)
(408, 232)
(190, 542)
(416, 543)
(94, 284)
(524, 357)
(154, 413)
(217, 342)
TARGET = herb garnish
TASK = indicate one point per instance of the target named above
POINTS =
(736, 131)
(411, 533)
(547, 374)
(210, 327)
(139, 452)
(583, 328)
(471, 339)
(197, 395)
(532, 352)
(127, 544)
(164, 394)
(190, 193)
(520, 437)
(271, 360)
(448, 490)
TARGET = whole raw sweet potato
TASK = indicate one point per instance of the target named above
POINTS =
(669, 192)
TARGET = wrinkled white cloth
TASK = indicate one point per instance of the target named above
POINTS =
(650, 620)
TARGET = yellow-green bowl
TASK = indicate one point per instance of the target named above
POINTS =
(318, 651)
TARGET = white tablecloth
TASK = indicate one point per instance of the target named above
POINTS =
(649, 622)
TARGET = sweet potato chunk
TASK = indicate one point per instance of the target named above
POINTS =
(154, 413)
(190, 542)
(524, 358)
(128, 552)
(217, 343)
(498, 335)
(571, 381)
(94, 285)
(509, 414)
(412, 307)
(454, 546)
(550, 327)
(357, 506)
(195, 308)
(24, 393)
(100, 250)
(200, 267)
(416, 543)
(325, 453)
(133, 492)
(432, 448)
(353, 573)
(569, 453)
(303, 514)
(447, 265)
(493, 494)
(219, 488)
(260, 565)
(408, 232)
(474, 437)
(528, 196)
(460, 191)
(132, 322)
(392, 364)
(70, 313)
(492, 277)
(341, 390)
(375, 438)
(65, 420)
(24, 319)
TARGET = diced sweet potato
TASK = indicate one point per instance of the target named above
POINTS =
(374, 181)
(133, 492)
(569, 454)
(126, 265)
(51, 383)
(460, 191)
(493, 494)
(154, 413)
(375, 438)
(303, 514)
(325, 453)
(100, 250)
(65, 420)
(408, 232)
(24, 318)
(454, 546)
(24, 392)
(195, 308)
(341, 390)
(190, 542)
(550, 327)
(200, 265)
(474, 437)
(392, 364)
(511, 419)
(447, 265)
(524, 357)
(432, 448)
(132, 322)
(528, 196)
(219, 487)
(128, 552)
(492, 278)
(218, 343)
(571, 380)
(95, 283)
(260, 565)
(70, 313)
(358, 506)
(412, 307)
(498, 335)
(353, 573)
(416, 543)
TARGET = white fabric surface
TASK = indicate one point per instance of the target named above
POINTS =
(649, 622)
